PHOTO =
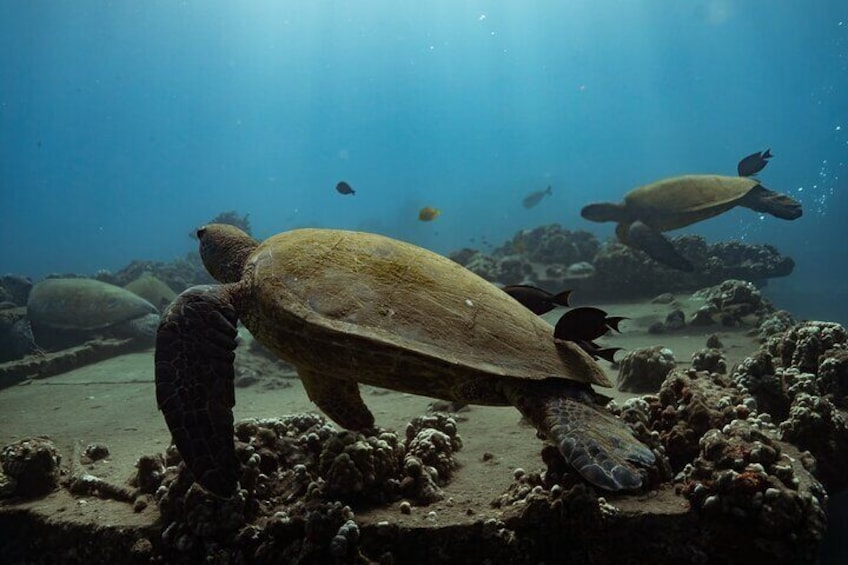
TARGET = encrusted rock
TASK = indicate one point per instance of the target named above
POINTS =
(713, 342)
(664, 298)
(710, 360)
(484, 266)
(798, 378)
(833, 376)
(688, 404)
(675, 320)
(15, 288)
(643, 370)
(814, 424)
(355, 466)
(803, 345)
(94, 452)
(33, 464)
(758, 376)
(741, 474)
(553, 244)
(150, 470)
(775, 323)
(624, 272)
(579, 270)
(733, 303)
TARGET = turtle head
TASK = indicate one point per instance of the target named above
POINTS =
(604, 212)
(224, 250)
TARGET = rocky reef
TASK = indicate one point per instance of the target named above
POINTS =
(644, 370)
(301, 480)
(745, 462)
(732, 303)
(553, 257)
(800, 377)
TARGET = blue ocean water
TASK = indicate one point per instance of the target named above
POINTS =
(125, 124)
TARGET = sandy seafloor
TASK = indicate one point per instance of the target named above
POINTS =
(113, 402)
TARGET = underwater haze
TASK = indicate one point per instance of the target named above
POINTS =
(123, 125)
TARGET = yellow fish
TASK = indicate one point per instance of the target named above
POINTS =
(428, 214)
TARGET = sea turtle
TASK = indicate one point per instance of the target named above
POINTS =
(63, 308)
(349, 307)
(676, 202)
(152, 289)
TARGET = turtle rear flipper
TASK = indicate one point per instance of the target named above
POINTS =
(761, 199)
(600, 447)
(194, 383)
(657, 246)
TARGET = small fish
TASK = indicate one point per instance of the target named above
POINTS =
(535, 299)
(754, 163)
(344, 188)
(607, 353)
(428, 214)
(534, 198)
(584, 325)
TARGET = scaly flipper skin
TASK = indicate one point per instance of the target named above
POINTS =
(337, 398)
(774, 203)
(194, 383)
(600, 447)
(657, 246)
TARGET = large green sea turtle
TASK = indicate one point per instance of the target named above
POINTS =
(349, 307)
(62, 307)
(677, 202)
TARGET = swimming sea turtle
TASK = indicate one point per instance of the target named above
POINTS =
(61, 308)
(676, 202)
(349, 307)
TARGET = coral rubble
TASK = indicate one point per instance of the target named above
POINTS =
(643, 370)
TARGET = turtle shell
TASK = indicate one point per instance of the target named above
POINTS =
(364, 307)
(152, 289)
(83, 304)
(679, 201)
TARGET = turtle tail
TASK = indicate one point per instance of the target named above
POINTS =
(599, 446)
(195, 346)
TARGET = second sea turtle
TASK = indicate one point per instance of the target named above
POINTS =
(676, 202)
(61, 310)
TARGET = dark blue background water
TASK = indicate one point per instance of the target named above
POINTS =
(123, 125)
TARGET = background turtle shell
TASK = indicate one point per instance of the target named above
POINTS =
(679, 201)
(152, 289)
(354, 292)
(83, 304)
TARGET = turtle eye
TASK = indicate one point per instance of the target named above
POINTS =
(201, 231)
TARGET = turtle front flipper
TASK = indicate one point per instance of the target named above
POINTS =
(600, 447)
(657, 246)
(337, 398)
(194, 383)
